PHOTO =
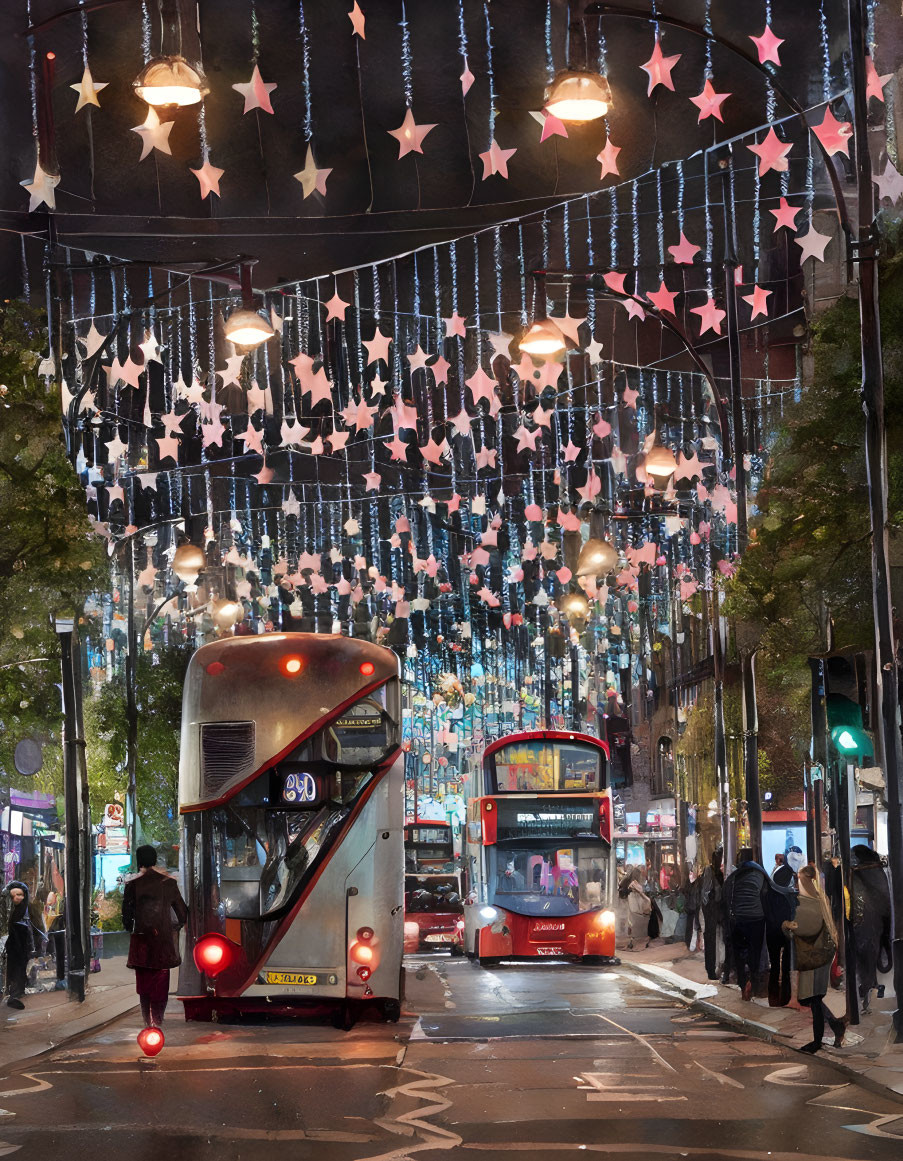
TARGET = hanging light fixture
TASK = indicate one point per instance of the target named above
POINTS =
(227, 613)
(188, 562)
(247, 327)
(660, 463)
(170, 81)
(575, 606)
(577, 95)
(544, 337)
(597, 558)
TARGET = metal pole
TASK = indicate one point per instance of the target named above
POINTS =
(876, 470)
(75, 948)
(575, 688)
(724, 791)
(846, 778)
(131, 708)
(751, 752)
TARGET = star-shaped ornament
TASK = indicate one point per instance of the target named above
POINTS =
(378, 347)
(709, 102)
(688, 467)
(590, 489)
(256, 398)
(634, 310)
(208, 178)
(812, 244)
(154, 134)
(758, 301)
(767, 46)
(433, 452)
(338, 439)
(256, 93)
(168, 447)
(410, 135)
(629, 398)
(92, 341)
(150, 348)
(772, 153)
(659, 69)
(460, 422)
(663, 299)
(551, 125)
(615, 281)
(710, 317)
(336, 307)
(467, 79)
(485, 457)
(398, 448)
(526, 439)
(252, 438)
(372, 481)
(358, 21)
(874, 85)
(608, 158)
(570, 326)
(41, 189)
(495, 160)
(455, 325)
(571, 452)
(231, 373)
(833, 134)
(311, 178)
(889, 183)
(684, 251)
(87, 89)
(481, 386)
(785, 215)
(417, 359)
(440, 368)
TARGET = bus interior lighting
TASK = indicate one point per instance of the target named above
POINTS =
(367, 668)
(150, 1040)
(291, 665)
(213, 954)
(488, 913)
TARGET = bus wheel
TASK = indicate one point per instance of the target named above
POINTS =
(488, 961)
(392, 1010)
(344, 1016)
(456, 949)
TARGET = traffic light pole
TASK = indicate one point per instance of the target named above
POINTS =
(75, 838)
(876, 472)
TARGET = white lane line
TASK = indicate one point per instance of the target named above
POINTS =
(793, 1076)
(432, 1136)
(719, 1076)
(39, 1086)
(636, 1036)
(644, 1149)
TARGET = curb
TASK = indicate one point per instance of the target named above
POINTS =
(106, 1017)
(688, 995)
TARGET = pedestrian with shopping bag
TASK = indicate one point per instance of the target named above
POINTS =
(814, 945)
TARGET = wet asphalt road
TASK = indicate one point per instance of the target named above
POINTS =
(538, 1061)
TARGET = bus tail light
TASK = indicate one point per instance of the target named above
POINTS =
(367, 668)
(291, 665)
(363, 952)
(364, 973)
(488, 819)
(605, 818)
(213, 953)
(150, 1040)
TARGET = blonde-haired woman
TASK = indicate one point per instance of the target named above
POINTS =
(812, 928)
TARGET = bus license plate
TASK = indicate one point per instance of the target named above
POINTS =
(550, 951)
(291, 979)
(439, 937)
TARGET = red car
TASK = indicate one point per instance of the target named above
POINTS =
(433, 913)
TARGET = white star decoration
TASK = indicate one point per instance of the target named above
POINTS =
(312, 179)
(154, 134)
(256, 93)
(41, 188)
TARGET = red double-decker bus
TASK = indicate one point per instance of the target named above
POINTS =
(538, 851)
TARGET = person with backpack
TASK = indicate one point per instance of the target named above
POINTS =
(710, 898)
(870, 915)
(745, 892)
(814, 944)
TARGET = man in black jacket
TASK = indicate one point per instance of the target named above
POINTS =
(745, 892)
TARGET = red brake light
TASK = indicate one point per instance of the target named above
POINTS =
(291, 665)
(367, 668)
(215, 668)
(362, 953)
(364, 973)
(365, 933)
(213, 954)
(150, 1041)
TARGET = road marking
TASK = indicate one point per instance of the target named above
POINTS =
(873, 1128)
(40, 1086)
(636, 1036)
(790, 1075)
(436, 1137)
(643, 1149)
(719, 1076)
(604, 1086)
(6, 1148)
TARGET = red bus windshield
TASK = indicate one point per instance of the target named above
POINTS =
(543, 765)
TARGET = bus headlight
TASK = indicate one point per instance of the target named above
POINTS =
(606, 919)
(489, 914)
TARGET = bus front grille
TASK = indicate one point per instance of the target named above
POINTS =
(227, 754)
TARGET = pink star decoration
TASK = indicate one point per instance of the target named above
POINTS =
(336, 307)
(772, 153)
(874, 85)
(208, 178)
(454, 325)
(358, 20)
(767, 46)
(709, 102)
(758, 301)
(812, 244)
(663, 299)
(684, 252)
(785, 215)
(551, 126)
(608, 158)
(710, 317)
(467, 79)
(615, 281)
(833, 134)
(659, 69)
(526, 439)
(256, 93)
(378, 347)
(410, 135)
(495, 160)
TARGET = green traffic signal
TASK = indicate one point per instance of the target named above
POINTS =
(850, 740)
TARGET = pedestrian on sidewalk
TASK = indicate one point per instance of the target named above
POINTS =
(745, 892)
(21, 936)
(149, 902)
(870, 914)
(711, 900)
(814, 944)
(780, 906)
(639, 907)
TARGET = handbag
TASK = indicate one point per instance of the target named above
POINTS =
(815, 952)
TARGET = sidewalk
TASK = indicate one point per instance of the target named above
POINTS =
(49, 1018)
(868, 1052)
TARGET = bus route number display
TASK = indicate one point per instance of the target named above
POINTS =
(300, 789)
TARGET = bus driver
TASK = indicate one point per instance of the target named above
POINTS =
(510, 879)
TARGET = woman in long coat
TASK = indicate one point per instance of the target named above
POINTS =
(150, 902)
(23, 938)
(870, 916)
(813, 912)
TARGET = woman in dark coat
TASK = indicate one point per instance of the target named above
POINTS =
(24, 939)
(870, 916)
(149, 902)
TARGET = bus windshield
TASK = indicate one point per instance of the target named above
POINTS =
(540, 765)
(547, 879)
